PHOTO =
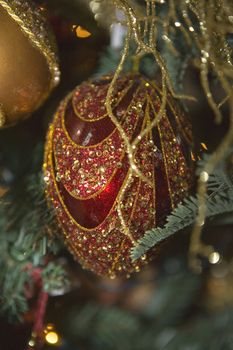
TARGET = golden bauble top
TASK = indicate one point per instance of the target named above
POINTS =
(28, 62)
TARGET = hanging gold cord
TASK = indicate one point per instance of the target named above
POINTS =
(134, 29)
(213, 20)
(206, 18)
(130, 148)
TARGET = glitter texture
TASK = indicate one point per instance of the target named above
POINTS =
(86, 165)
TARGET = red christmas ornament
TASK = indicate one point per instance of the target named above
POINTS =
(86, 166)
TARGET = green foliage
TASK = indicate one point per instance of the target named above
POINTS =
(110, 58)
(109, 61)
(206, 333)
(54, 279)
(25, 223)
(108, 325)
(170, 320)
(133, 332)
(185, 286)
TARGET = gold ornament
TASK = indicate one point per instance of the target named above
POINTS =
(28, 63)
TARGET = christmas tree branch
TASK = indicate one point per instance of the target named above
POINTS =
(163, 323)
(25, 240)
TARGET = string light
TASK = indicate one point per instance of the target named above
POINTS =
(51, 336)
(81, 32)
(203, 145)
(214, 258)
(204, 177)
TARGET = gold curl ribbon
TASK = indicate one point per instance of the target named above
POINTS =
(210, 59)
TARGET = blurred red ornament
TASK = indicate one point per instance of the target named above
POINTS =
(86, 165)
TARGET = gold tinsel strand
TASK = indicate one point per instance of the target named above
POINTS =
(213, 21)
